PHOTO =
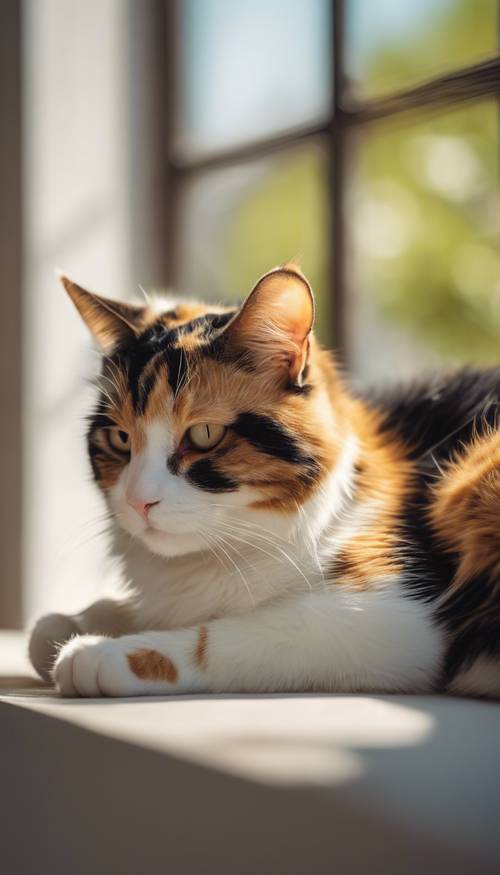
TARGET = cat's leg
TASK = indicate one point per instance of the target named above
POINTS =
(466, 518)
(104, 617)
(333, 640)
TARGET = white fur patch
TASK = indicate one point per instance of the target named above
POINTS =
(334, 640)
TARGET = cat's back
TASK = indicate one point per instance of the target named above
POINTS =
(440, 414)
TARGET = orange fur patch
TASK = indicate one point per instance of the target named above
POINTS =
(466, 509)
(201, 647)
(384, 481)
(149, 665)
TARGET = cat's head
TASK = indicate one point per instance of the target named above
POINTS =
(209, 420)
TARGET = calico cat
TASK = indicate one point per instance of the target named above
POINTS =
(277, 531)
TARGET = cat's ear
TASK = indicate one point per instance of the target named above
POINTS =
(111, 323)
(273, 326)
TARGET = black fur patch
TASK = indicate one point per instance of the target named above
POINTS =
(304, 390)
(472, 615)
(210, 323)
(435, 420)
(176, 361)
(143, 391)
(97, 420)
(173, 463)
(268, 436)
(428, 569)
(135, 357)
(204, 474)
(443, 412)
(160, 339)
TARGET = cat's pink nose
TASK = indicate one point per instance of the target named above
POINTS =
(142, 507)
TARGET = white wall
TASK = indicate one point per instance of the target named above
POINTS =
(76, 207)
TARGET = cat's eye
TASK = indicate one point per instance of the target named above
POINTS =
(206, 435)
(119, 440)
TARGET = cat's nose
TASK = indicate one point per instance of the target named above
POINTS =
(142, 507)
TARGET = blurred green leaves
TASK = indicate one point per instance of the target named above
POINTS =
(431, 190)
(283, 219)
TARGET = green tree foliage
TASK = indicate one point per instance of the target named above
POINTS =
(284, 219)
(438, 177)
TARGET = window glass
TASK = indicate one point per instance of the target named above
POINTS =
(395, 44)
(424, 231)
(239, 222)
(249, 70)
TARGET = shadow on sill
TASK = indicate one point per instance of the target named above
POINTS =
(85, 797)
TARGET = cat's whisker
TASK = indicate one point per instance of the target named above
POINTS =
(313, 551)
(211, 549)
(251, 524)
(178, 383)
(236, 566)
(255, 548)
(226, 539)
(234, 528)
(235, 534)
(276, 547)
(104, 378)
(211, 538)
(436, 463)
(107, 396)
(70, 543)
(83, 542)
(269, 539)
(236, 525)
(147, 298)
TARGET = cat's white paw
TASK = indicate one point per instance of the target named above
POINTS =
(92, 665)
(152, 663)
(49, 633)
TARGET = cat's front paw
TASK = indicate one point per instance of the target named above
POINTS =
(48, 635)
(92, 665)
(152, 663)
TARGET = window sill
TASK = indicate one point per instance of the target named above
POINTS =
(245, 784)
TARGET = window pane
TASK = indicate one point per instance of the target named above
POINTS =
(424, 214)
(251, 69)
(240, 222)
(395, 44)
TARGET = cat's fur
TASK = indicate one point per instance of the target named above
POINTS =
(327, 542)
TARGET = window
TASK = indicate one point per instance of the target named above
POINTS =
(361, 138)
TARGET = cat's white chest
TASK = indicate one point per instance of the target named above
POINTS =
(184, 591)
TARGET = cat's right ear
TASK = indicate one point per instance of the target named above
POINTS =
(274, 324)
(111, 323)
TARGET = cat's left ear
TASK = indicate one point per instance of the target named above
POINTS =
(111, 323)
(273, 326)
